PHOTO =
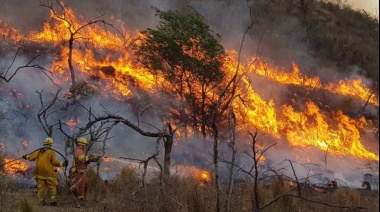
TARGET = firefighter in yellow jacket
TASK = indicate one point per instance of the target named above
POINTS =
(44, 172)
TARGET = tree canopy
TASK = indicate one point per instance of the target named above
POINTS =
(184, 51)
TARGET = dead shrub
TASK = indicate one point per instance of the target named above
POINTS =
(126, 180)
(96, 189)
(125, 187)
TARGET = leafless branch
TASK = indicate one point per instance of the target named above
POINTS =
(7, 78)
(366, 103)
(4, 115)
(298, 183)
(145, 165)
(74, 30)
(43, 113)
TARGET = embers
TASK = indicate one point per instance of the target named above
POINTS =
(332, 184)
(323, 188)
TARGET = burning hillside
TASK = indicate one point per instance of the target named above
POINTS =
(102, 55)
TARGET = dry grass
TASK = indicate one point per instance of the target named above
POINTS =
(124, 193)
(335, 33)
(26, 206)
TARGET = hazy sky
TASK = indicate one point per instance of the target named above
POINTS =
(372, 6)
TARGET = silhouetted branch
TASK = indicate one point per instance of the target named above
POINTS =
(145, 165)
(7, 78)
(43, 113)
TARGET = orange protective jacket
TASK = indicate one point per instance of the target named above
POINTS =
(80, 160)
(46, 160)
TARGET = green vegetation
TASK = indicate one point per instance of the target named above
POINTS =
(349, 37)
(183, 46)
(333, 32)
(185, 52)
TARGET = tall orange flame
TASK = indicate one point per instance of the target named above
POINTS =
(106, 55)
(352, 88)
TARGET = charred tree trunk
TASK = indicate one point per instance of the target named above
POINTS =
(69, 60)
(168, 144)
(67, 19)
(203, 113)
(255, 203)
(216, 167)
(232, 126)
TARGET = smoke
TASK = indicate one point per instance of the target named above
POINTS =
(278, 40)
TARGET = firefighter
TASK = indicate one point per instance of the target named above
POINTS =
(44, 173)
(78, 170)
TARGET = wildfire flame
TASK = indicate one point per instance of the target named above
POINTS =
(351, 88)
(72, 123)
(107, 159)
(203, 176)
(336, 133)
(11, 167)
(6, 31)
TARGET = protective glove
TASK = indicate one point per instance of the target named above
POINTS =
(93, 158)
(25, 157)
(65, 163)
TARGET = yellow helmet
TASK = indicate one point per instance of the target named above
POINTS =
(82, 141)
(48, 141)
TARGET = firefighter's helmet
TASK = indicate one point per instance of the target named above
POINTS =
(48, 141)
(82, 141)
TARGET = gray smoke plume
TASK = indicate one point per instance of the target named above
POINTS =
(279, 41)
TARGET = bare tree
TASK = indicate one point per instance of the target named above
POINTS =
(44, 113)
(98, 127)
(9, 72)
(256, 156)
(223, 103)
(258, 175)
(73, 30)
(326, 153)
(232, 135)
(145, 166)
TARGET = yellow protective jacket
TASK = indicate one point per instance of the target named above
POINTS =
(46, 160)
